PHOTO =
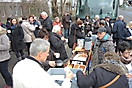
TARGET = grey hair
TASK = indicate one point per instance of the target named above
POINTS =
(120, 17)
(44, 13)
(97, 16)
(56, 28)
(38, 45)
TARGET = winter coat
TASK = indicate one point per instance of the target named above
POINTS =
(57, 45)
(118, 29)
(17, 39)
(4, 45)
(105, 45)
(101, 75)
(49, 58)
(88, 27)
(73, 39)
(65, 22)
(126, 33)
(95, 26)
(47, 24)
(28, 30)
(108, 30)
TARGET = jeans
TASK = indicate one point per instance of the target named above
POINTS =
(18, 53)
(66, 33)
(5, 73)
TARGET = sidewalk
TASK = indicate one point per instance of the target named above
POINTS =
(126, 8)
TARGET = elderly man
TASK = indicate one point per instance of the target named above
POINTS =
(46, 22)
(105, 43)
(117, 31)
(29, 73)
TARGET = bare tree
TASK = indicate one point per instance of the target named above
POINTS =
(62, 6)
(54, 8)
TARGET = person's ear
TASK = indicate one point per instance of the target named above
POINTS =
(120, 53)
(40, 53)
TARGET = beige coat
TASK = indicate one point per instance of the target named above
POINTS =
(28, 30)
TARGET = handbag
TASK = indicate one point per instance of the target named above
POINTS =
(33, 37)
(111, 82)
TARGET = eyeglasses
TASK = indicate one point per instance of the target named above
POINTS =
(127, 52)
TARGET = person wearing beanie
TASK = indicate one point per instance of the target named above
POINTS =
(104, 43)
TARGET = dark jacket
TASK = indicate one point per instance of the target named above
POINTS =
(126, 33)
(88, 27)
(49, 58)
(95, 26)
(117, 29)
(57, 45)
(65, 22)
(35, 23)
(17, 39)
(73, 39)
(47, 24)
(109, 24)
(105, 45)
(108, 30)
(101, 75)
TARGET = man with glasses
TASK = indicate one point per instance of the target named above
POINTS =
(125, 52)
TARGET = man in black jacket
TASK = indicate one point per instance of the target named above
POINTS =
(46, 22)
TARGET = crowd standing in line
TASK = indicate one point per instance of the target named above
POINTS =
(26, 34)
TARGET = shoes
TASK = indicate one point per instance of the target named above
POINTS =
(23, 56)
(19, 58)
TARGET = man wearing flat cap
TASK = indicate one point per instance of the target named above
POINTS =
(105, 43)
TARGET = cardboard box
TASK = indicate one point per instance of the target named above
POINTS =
(60, 72)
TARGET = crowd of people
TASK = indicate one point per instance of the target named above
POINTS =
(45, 41)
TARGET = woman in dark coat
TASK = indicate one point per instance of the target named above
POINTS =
(56, 43)
(17, 42)
(88, 24)
(76, 33)
(104, 73)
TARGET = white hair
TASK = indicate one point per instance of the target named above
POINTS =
(56, 28)
(38, 45)
(97, 16)
(120, 17)
(44, 13)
